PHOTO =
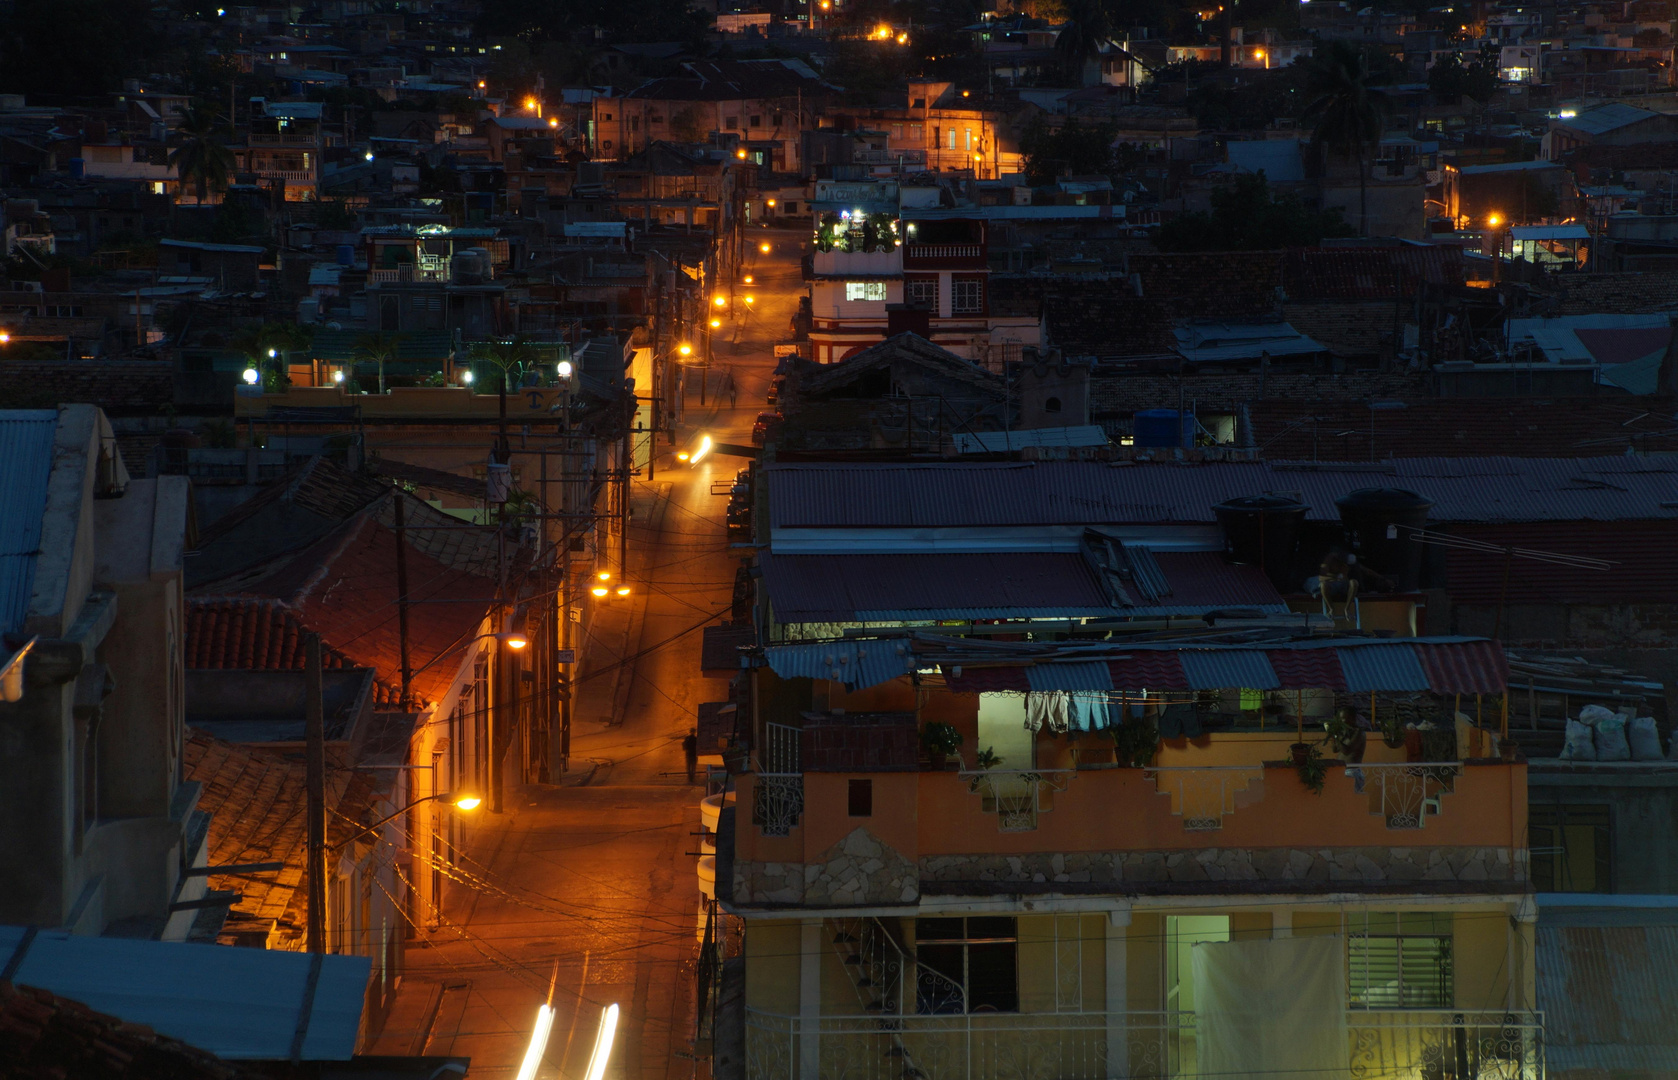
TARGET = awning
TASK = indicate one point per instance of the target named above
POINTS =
(856, 664)
(1442, 665)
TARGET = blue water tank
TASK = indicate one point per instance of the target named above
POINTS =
(346, 254)
(1163, 427)
(78, 168)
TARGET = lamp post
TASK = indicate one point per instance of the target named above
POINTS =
(1494, 221)
(459, 800)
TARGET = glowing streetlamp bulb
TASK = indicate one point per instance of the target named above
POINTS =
(600, 590)
(715, 324)
(771, 202)
(368, 155)
(251, 376)
(763, 248)
(530, 103)
(720, 300)
(516, 642)
(604, 575)
(741, 154)
(5, 338)
(338, 376)
(623, 590)
(272, 353)
(1494, 221)
(565, 369)
(553, 121)
(748, 279)
(466, 377)
(468, 802)
(685, 349)
(749, 300)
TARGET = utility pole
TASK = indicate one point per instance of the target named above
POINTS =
(402, 596)
(314, 733)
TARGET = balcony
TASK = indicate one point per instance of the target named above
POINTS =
(284, 140)
(1377, 825)
(1412, 1044)
(942, 254)
(837, 263)
(297, 176)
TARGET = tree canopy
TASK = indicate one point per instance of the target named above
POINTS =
(1248, 216)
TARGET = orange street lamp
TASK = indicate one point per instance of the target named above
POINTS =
(716, 324)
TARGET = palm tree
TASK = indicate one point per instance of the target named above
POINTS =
(1349, 113)
(378, 349)
(1085, 31)
(201, 159)
(510, 356)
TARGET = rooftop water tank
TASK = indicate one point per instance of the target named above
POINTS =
(1381, 526)
(1263, 531)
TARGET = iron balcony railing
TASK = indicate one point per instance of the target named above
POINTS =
(1450, 1044)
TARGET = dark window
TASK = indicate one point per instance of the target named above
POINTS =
(1051, 404)
(1570, 848)
(757, 121)
(967, 296)
(966, 965)
(921, 291)
(731, 123)
(861, 800)
(1400, 960)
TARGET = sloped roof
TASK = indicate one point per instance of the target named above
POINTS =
(47, 1037)
(253, 634)
(238, 1003)
(1022, 494)
(1617, 294)
(1521, 427)
(727, 80)
(120, 387)
(1369, 273)
(1606, 118)
(1606, 992)
(905, 347)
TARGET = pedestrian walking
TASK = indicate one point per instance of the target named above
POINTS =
(690, 751)
(733, 391)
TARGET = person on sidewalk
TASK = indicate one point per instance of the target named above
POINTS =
(690, 751)
(733, 391)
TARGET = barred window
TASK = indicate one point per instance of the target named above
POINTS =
(967, 296)
(1400, 960)
(966, 965)
(865, 290)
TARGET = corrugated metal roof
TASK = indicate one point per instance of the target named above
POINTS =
(26, 442)
(1453, 665)
(1469, 667)
(1090, 677)
(1607, 996)
(1642, 551)
(241, 1004)
(1215, 669)
(1303, 669)
(843, 588)
(995, 442)
(856, 664)
(1382, 667)
(1150, 670)
(1026, 494)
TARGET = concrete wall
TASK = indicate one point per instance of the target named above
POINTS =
(1643, 817)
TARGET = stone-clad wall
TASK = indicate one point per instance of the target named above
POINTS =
(862, 870)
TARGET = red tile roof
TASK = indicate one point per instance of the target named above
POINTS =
(351, 595)
(1369, 273)
(47, 1037)
(247, 633)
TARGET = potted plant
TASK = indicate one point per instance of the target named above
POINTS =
(1311, 766)
(1134, 742)
(1341, 732)
(1392, 731)
(988, 758)
(939, 741)
(1508, 750)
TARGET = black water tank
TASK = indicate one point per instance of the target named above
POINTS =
(1381, 526)
(1262, 531)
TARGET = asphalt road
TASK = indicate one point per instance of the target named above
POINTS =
(592, 883)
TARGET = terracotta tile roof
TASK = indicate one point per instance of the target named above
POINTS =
(248, 633)
(1617, 294)
(120, 387)
(257, 800)
(350, 594)
(422, 476)
(1369, 273)
(1350, 329)
(1307, 430)
(47, 1037)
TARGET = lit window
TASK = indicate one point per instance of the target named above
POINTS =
(1400, 960)
(865, 290)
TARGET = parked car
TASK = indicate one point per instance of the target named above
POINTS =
(766, 422)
